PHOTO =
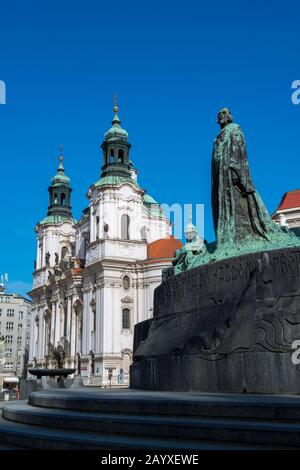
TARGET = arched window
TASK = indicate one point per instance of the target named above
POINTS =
(121, 156)
(55, 198)
(125, 221)
(112, 156)
(97, 227)
(63, 199)
(125, 319)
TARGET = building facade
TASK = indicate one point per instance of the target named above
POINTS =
(15, 313)
(94, 279)
(288, 211)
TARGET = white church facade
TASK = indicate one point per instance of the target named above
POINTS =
(94, 279)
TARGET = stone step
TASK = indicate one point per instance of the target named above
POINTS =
(199, 429)
(136, 402)
(35, 437)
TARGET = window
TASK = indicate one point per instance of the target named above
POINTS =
(7, 299)
(19, 352)
(55, 198)
(8, 339)
(97, 227)
(8, 352)
(8, 366)
(125, 319)
(1, 299)
(9, 325)
(20, 326)
(10, 312)
(112, 157)
(125, 221)
(19, 340)
(20, 315)
(0, 312)
(63, 199)
(121, 155)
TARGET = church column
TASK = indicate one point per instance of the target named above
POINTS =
(69, 311)
(57, 322)
(73, 331)
(41, 333)
(85, 326)
(52, 323)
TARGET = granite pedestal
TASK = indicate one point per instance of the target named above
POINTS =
(228, 326)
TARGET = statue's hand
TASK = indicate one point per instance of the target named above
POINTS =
(234, 177)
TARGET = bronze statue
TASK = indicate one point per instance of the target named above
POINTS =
(240, 216)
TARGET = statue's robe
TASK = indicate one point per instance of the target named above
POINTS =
(238, 211)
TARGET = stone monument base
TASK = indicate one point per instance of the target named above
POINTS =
(224, 327)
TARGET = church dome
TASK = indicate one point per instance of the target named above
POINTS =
(116, 132)
(149, 199)
(60, 177)
(190, 228)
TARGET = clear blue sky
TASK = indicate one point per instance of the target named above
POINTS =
(173, 65)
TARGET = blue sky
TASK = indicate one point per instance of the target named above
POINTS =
(173, 65)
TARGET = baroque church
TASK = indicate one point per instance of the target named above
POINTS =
(94, 279)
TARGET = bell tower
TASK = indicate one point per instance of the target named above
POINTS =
(60, 192)
(116, 149)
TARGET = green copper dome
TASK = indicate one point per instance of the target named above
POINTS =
(149, 199)
(60, 177)
(190, 228)
(115, 132)
(115, 180)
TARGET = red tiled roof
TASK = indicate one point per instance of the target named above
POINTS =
(163, 248)
(76, 270)
(290, 200)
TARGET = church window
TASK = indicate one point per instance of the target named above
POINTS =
(97, 227)
(121, 155)
(55, 198)
(125, 221)
(63, 199)
(125, 319)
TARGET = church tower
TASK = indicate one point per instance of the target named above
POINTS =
(116, 149)
(55, 231)
(60, 194)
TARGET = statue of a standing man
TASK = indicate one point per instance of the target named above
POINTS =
(240, 216)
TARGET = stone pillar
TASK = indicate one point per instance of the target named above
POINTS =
(52, 334)
(73, 332)
(98, 321)
(57, 322)
(69, 313)
(86, 324)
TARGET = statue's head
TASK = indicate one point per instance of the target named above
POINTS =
(224, 117)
